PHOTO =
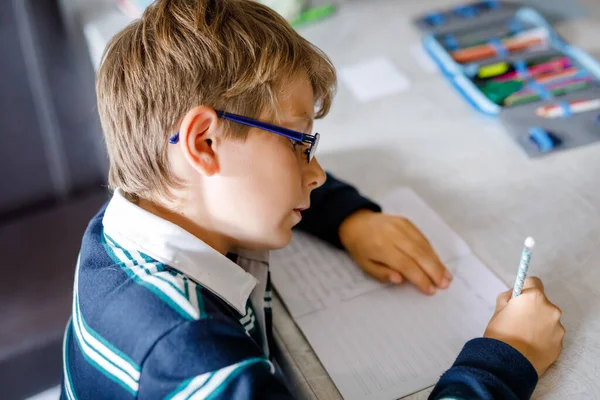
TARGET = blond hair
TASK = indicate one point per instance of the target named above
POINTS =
(232, 55)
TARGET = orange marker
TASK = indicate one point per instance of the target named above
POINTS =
(520, 42)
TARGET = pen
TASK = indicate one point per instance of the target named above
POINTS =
(546, 67)
(505, 71)
(520, 42)
(523, 266)
(568, 75)
(564, 109)
(528, 95)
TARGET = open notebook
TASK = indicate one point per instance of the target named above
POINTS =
(378, 341)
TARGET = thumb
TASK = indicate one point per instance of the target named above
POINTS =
(503, 299)
(533, 282)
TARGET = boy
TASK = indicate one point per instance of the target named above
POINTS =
(207, 108)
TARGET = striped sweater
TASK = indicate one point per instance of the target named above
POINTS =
(158, 314)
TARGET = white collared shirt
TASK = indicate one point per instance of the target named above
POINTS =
(135, 228)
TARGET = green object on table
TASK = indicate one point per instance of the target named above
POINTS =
(555, 92)
(313, 14)
(499, 91)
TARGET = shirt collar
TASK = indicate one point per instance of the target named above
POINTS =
(133, 227)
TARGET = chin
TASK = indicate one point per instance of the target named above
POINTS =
(278, 239)
(275, 241)
(281, 240)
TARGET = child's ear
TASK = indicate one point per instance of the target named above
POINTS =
(197, 135)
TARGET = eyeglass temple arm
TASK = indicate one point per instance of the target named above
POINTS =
(290, 134)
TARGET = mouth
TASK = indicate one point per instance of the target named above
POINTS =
(298, 211)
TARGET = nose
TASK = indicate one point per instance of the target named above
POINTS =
(314, 175)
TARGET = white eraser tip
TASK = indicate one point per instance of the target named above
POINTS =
(529, 242)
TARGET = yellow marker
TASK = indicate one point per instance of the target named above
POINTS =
(493, 70)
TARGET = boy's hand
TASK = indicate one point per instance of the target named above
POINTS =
(392, 249)
(530, 323)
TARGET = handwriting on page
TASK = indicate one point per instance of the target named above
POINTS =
(314, 276)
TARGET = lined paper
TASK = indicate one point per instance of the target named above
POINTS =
(379, 341)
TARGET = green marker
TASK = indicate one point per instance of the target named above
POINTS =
(500, 91)
(555, 92)
(313, 15)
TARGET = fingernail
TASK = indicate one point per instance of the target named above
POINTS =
(395, 278)
(445, 283)
(448, 275)
(431, 290)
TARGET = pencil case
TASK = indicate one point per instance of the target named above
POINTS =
(507, 61)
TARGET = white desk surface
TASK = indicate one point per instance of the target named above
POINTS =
(469, 171)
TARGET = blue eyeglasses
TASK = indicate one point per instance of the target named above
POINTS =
(311, 140)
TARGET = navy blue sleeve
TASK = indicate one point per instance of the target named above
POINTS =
(487, 369)
(209, 358)
(330, 205)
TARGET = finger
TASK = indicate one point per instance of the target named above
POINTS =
(561, 329)
(416, 234)
(424, 254)
(381, 272)
(557, 312)
(502, 300)
(404, 264)
(561, 332)
(533, 282)
(430, 264)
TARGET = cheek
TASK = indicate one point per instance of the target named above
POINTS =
(259, 183)
(259, 157)
(273, 170)
(278, 190)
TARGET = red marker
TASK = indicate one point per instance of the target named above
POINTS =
(550, 66)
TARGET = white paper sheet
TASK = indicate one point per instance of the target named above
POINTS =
(374, 79)
(378, 341)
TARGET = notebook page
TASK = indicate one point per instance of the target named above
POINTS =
(379, 341)
(312, 275)
(395, 341)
